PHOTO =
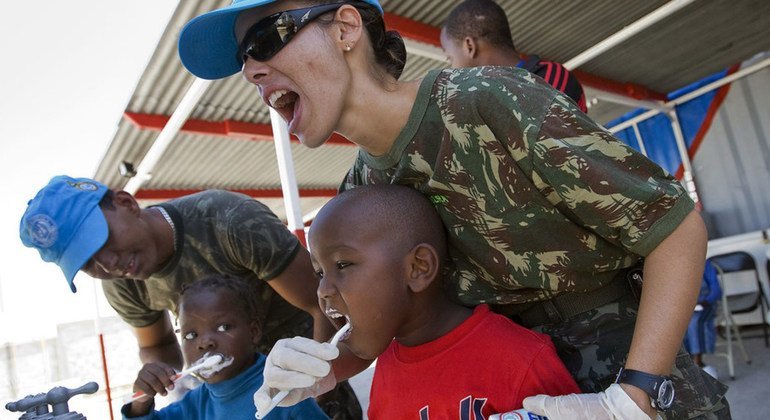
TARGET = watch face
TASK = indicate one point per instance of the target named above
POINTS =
(665, 395)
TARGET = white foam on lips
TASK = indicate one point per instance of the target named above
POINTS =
(213, 363)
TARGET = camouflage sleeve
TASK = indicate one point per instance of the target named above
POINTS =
(602, 184)
(129, 299)
(259, 241)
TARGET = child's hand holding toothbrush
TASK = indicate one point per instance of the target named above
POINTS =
(158, 378)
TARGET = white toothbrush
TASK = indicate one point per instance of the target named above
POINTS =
(281, 395)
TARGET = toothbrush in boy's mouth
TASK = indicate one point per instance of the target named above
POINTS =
(206, 366)
(335, 316)
(341, 334)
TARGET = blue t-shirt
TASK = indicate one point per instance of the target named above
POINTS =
(232, 399)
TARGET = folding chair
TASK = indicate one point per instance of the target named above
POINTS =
(730, 327)
(752, 296)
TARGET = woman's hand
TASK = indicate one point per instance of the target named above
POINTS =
(613, 403)
(298, 365)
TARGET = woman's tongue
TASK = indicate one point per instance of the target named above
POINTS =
(285, 106)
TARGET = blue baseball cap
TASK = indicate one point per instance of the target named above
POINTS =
(65, 223)
(207, 44)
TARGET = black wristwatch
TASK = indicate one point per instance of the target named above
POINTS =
(659, 388)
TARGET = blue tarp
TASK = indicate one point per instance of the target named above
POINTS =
(656, 131)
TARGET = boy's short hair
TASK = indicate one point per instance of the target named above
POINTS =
(244, 290)
(483, 19)
(403, 212)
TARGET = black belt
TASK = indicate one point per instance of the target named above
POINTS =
(566, 305)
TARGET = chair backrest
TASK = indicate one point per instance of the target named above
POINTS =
(734, 261)
(743, 288)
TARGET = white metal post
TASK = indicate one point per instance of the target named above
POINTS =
(627, 32)
(687, 179)
(640, 140)
(170, 130)
(694, 94)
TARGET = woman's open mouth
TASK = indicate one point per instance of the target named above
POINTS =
(284, 101)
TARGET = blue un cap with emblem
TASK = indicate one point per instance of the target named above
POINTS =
(65, 224)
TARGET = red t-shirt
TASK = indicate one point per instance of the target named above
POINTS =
(486, 365)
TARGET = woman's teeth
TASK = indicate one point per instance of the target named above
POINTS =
(275, 96)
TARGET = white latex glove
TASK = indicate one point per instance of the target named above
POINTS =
(611, 404)
(299, 365)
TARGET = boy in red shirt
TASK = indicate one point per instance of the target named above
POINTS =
(380, 253)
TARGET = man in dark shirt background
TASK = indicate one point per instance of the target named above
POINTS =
(476, 33)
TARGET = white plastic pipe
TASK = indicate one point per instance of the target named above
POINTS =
(169, 132)
(629, 31)
(640, 140)
(684, 155)
(694, 94)
(627, 101)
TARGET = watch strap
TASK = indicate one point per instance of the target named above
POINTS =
(647, 382)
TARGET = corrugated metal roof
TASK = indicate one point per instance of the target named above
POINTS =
(702, 38)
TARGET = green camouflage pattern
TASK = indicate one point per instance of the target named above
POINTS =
(594, 345)
(537, 198)
(222, 233)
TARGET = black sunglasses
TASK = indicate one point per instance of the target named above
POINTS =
(268, 36)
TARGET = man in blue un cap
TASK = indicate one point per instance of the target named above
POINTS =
(145, 256)
(47, 223)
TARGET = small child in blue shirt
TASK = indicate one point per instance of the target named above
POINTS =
(701, 333)
(215, 317)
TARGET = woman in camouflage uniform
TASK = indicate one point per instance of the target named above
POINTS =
(547, 213)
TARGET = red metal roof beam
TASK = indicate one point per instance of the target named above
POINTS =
(414, 30)
(627, 89)
(226, 128)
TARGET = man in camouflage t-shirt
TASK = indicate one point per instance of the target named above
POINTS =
(546, 215)
(217, 232)
(146, 256)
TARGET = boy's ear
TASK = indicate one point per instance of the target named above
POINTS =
(423, 267)
(470, 47)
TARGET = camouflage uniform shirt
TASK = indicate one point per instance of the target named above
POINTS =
(536, 197)
(218, 232)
